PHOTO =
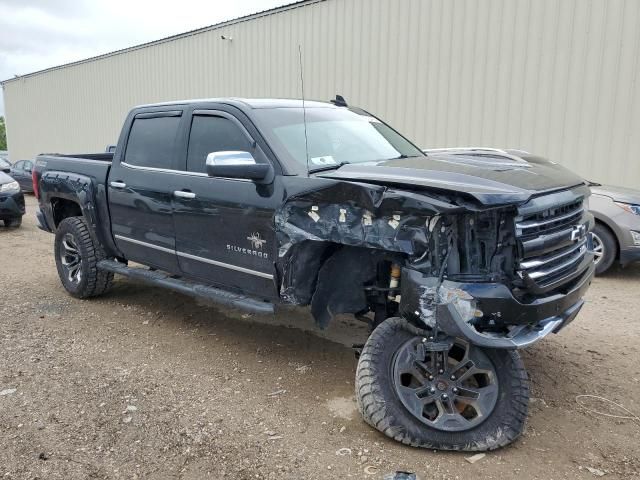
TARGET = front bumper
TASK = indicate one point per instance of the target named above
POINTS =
(629, 255)
(527, 322)
(11, 205)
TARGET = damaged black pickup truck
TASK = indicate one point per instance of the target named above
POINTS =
(456, 258)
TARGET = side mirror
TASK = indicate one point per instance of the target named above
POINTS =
(6, 170)
(238, 165)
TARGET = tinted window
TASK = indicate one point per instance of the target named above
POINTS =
(152, 142)
(213, 134)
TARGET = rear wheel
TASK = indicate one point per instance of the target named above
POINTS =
(77, 256)
(605, 248)
(13, 222)
(466, 398)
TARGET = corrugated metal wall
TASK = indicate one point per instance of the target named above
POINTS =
(555, 77)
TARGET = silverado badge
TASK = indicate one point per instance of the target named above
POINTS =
(257, 242)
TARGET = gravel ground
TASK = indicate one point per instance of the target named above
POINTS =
(142, 383)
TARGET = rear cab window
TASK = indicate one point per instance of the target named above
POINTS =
(152, 140)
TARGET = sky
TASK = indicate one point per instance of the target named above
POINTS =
(38, 34)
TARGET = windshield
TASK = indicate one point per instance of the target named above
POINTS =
(335, 136)
(4, 163)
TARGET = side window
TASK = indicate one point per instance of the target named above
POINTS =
(152, 142)
(28, 165)
(213, 134)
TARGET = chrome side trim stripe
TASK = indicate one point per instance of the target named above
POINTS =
(199, 259)
(226, 265)
(163, 170)
(145, 244)
(181, 172)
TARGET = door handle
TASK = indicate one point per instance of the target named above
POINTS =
(118, 184)
(183, 194)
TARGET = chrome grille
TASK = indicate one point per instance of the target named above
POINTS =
(553, 241)
(550, 219)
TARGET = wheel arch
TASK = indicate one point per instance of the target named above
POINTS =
(62, 208)
(606, 223)
(65, 194)
(331, 277)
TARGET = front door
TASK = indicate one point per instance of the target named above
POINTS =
(141, 185)
(225, 227)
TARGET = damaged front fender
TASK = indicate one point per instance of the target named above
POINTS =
(313, 225)
(359, 215)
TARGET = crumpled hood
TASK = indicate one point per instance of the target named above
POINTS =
(490, 178)
(618, 194)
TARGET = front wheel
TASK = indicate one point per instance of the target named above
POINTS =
(605, 248)
(13, 222)
(467, 398)
(77, 257)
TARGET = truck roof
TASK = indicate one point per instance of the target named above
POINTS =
(250, 103)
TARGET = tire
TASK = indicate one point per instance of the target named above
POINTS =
(13, 222)
(604, 240)
(77, 256)
(383, 409)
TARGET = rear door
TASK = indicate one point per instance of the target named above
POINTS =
(225, 227)
(141, 184)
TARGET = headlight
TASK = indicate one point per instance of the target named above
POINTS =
(629, 207)
(636, 238)
(11, 187)
(585, 204)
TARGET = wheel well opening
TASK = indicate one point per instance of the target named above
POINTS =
(354, 280)
(63, 208)
(613, 235)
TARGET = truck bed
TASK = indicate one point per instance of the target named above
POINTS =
(94, 165)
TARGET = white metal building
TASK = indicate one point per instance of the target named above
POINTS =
(555, 77)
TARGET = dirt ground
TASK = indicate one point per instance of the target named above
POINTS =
(143, 383)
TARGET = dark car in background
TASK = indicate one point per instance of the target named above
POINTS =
(5, 164)
(21, 172)
(11, 201)
(616, 235)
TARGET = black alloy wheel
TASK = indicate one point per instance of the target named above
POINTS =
(452, 391)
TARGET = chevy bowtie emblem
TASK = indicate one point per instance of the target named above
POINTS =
(256, 241)
(578, 232)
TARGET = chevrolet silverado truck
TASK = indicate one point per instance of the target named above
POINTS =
(456, 258)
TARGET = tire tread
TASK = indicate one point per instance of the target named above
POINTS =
(98, 281)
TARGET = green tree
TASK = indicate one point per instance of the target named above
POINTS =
(3, 134)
